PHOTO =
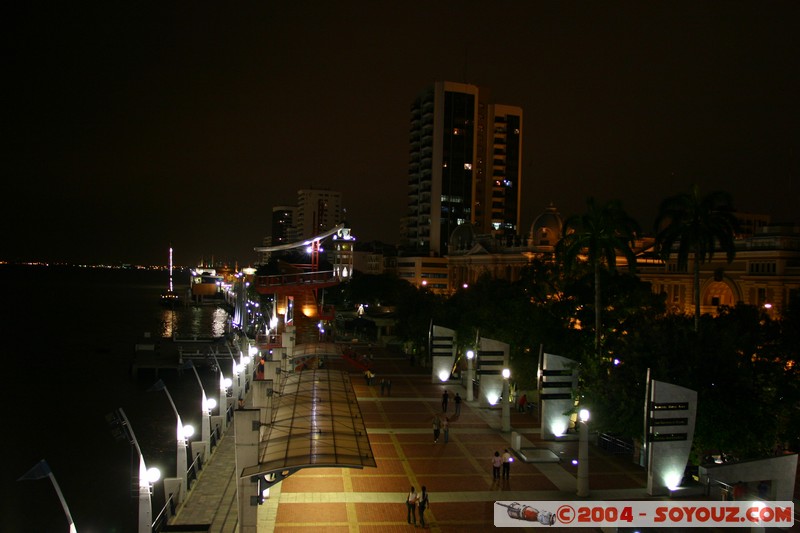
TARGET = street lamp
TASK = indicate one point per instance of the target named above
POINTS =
(147, 476)
(224, 383)
(206, 406)
(506, 405)
(470, 357)
(182, 435)
(236, 371)
(42, 470)
(583, 453)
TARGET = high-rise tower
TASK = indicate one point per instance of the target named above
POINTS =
(318, 210)
(464, 166)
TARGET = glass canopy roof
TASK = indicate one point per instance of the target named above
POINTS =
(316, 422)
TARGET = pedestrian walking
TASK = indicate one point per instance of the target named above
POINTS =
(446, 429)
(522, 401)
(422, 504)
(445, 399)
(260, 369)
(457, 402)
(437, 424)
(383, 386)
(411, 505)
(497, 462)
(507, 460)
(388, 387)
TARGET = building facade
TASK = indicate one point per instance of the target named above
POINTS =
(283, 229)
(765, 272)
(422, 272)
(318, 210)
(464, 166)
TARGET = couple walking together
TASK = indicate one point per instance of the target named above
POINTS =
(438, 425)
(416, 501)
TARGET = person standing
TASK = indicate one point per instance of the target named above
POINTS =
(497, 462)
(446, 429)
(388, 387)
(522, 401)
(423, 504)
(457, 401)
(437, 424)
(383, 386)
(445, 399)
(506, 464)
(411, 504)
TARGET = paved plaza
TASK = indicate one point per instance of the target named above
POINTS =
(457, 474)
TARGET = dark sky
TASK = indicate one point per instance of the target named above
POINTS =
(129, 126)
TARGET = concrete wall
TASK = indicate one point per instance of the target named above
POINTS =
(246, 456)
(780, 471)
(671, 418)
(492, 359)
(559, 381)
(443, 354)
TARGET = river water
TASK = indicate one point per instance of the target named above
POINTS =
(68, 341)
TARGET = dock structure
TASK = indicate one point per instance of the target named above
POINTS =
(171, 354)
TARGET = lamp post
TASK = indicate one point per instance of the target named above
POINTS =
(42, 470)
(583, 453)
(236, 368)
(146, 478)
(205, 407)
(470, 377)
(182, 435)
(506, 405)
(224, 383)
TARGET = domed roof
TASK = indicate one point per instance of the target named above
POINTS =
(463, 237)
(546, 228)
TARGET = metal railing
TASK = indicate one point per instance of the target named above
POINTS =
(614, 445)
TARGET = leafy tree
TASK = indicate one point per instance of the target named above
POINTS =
(598, 234)
(415, 312)
(697, 224)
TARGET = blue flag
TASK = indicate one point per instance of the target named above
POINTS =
(157, 386)
(39, 471)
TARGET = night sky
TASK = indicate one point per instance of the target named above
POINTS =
(130, 126)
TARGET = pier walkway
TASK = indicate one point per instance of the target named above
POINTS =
(457, 474)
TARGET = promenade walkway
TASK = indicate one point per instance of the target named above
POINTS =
(457, 474)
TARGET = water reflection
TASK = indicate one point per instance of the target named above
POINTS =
(168, 322)
(194, 321)
(219, 320)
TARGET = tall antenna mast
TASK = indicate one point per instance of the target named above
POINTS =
(170, 269)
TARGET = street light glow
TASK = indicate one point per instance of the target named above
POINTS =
(584, 415)
(470, 354)
(506, 373)
(153, 474)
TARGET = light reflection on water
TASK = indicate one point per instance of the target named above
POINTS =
(219, 320)
(193, 321)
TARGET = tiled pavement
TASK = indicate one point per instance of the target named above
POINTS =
(457, 474)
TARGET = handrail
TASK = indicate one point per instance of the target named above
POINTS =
(167, 512)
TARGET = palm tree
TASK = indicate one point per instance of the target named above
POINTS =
(598, 234)
(696, 224)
